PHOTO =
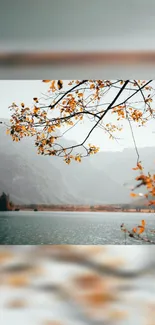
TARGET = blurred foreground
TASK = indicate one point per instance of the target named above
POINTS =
(53, 285)
(72, 65)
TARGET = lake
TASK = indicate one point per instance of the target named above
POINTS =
(75, 228)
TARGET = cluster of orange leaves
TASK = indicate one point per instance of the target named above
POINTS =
(140, 229)
(68, 158)
(120, 111)
(136, 115)
(90, 151)
(112, 128)
(136, 230)
(148, 181)
(54, 85)
(24, 119)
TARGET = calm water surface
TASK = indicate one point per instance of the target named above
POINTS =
(76, 228)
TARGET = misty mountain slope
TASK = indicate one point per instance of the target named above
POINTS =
(28, 177)
(118, 165)
(93, 185)
(28, 184)
(31, 178)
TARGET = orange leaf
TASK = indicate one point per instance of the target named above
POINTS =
(35, 99)
(143, 223)
(141, 229)
(134, 230)
(78, 158)
(7, 131)
(139, 166)
(53, 85)
(152, 202)
(46, 80)
(133, 194)
(149, 185)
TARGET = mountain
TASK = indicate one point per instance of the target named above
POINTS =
(30, 178)
(118, 165)
(26, 177)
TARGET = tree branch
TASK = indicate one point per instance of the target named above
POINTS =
(67, 92)
(105, 112)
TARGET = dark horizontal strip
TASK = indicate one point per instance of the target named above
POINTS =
(60, 58)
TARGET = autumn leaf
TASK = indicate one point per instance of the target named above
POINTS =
(143, 222)
(141, 229)
(95, 299)
(50, 129)
(139, 166)
(134, 230)
(7, 131)
(16, 304)
(78, 158)
(133, 194)
(67, 159)
(46, 81)
(23, 128)
(51, 139)
(149, 185)
(152, 202)
(18, 280)
(60, 84)
(53, 85)
(35, 99)
(44, 142)
(36, 110)
(135, 168)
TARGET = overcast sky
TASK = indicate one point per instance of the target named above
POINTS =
(67, 25)
(23, 91)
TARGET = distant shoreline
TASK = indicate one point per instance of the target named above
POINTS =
(83, 209)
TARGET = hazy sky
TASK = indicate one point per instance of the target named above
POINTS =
(118, 25)
(23, 91)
